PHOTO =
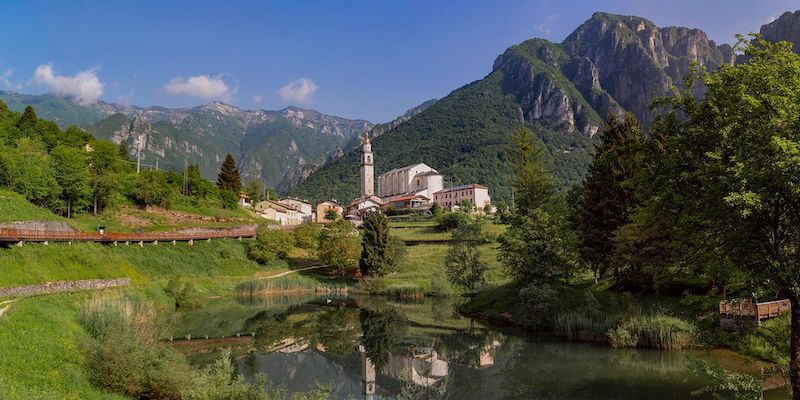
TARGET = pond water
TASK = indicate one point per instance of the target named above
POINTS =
(373, 348)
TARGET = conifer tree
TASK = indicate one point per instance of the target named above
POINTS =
(377, 255)
(606, 200)
(228, 178)
(27, 121)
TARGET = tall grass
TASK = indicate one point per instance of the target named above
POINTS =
(404, 292)
(255, 287)
(584, 326)
(656, 331)
(106, 315)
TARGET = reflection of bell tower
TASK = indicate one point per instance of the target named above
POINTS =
(367, 169)
(367, 374)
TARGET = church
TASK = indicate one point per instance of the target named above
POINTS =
(415, 187)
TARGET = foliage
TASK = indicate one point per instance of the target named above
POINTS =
(151, 189)
(228, 178)
(537, 300)
(538, 248)
(533, 184)
(181, 290)
(606, 200)
(448, 221)
(72, 175)
(339, 246)
(440, 285)
(306, 236)
(382, 333)
(377, 254)
(654, 331)
(270, 245)
(462, 262)
(741, 385)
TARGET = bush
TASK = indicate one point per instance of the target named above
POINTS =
(440, 286)
(584, 326)
(306, 236)
(451, 220)
(372, 285)
(181, 290)
(151, 188)
(620, 337)
(269, 245)
(404, 292)
(538, 300)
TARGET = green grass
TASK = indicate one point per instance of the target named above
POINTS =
(14, 207)
(210, 264)
(131, 218)
(40, 351)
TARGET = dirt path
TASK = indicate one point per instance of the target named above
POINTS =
(292, 271)
(7, 305)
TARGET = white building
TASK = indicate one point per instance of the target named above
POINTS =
(367, 168)
(282, 213)
(413, 180)
(304, 208)
(477, 195)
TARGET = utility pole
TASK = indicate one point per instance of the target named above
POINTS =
(186, 169)
(138, 154)
(157, 163)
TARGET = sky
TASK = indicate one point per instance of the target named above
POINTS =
(356, 59)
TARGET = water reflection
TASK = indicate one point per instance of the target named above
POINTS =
(372, 349)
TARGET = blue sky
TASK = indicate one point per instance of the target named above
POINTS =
(356, 59)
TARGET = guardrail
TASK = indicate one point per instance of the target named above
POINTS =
(24, 235)
(761, 311)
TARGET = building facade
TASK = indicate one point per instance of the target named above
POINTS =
(477, 195)
(367, 169)
(324, 207)
(417, 179)
(284, 214)
(305, 209)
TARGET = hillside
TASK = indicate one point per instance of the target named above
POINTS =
(563, 91)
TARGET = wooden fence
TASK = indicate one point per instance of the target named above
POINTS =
(747, 309)
(24, 235)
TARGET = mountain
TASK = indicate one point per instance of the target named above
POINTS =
(279, 148)
(276, 147)
(562, 91)
(786, 27)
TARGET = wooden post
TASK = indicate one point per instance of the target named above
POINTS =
(191, 242)
(155, 243)
(45, 243)
(173, 243)
(141, 243)
(20, 243)
(127, 243)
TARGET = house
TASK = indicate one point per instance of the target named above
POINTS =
(359, 208)
(305, 208)
(477, 195)
(285, 215)
(244, 200)
(325, 207)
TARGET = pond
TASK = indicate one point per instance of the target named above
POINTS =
(374, 348)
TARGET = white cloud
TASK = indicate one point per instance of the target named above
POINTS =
(257, 98)
(298, 91)
(5, 79)
(201, 86)
(85, 86)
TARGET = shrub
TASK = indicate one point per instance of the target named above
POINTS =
(451, 220)
(339, 246)
(537, 300)
(372, 285)
(151, 188)
(620, 337)
(440, 286)
(306, 236)
(579, 325)
(181, 290)
(270, 245)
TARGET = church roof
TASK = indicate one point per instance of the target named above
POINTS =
(406, 168)
(462, 187)
(429, 173)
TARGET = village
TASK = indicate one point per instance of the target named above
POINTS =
(413, 189)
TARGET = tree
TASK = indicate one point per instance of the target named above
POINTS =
(28, 171)
(72, 175)
(736, 158)
(338, 246)
(462, 262)
(270, 245)
(27, 121)
(255, 190)
(377, 255)
(606, 200)
(534, 186)
(537, 249)
(331, 215)
(151, 189)
(228, 178)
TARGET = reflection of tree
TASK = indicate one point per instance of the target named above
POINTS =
(382, 331)
(337, 330)
(269, 328)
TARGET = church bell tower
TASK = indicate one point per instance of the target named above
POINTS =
(367, 169)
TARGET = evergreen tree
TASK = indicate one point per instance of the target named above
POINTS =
(123, 151)
(229, 178)
(27, 121)
(377, 255)
(534, 186)
(462, 262)
(606, 200)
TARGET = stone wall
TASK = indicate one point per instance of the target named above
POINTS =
(63, 286)
(52, 226)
